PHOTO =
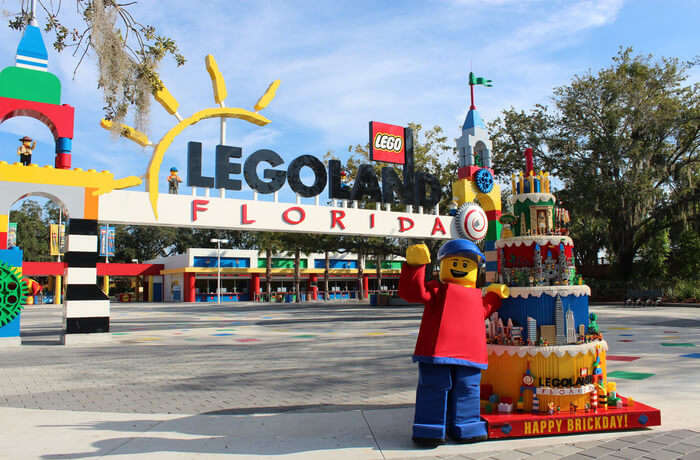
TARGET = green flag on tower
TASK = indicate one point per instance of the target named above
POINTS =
(478, 80)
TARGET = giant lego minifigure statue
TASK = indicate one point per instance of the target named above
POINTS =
(451, 345)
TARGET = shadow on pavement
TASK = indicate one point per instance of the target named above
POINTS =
(344, 434)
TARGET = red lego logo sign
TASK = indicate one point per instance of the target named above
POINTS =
(386, 143)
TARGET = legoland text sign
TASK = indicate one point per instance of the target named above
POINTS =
(414, 188)
(389, 143)
(130, 208)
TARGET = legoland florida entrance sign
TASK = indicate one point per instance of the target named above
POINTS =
(389, 143)
(89, 197)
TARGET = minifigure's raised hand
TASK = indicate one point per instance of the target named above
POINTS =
(500, 289)
(417, 254)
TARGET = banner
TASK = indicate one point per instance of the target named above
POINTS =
(12, 235)
(106, 241)
(57, 239)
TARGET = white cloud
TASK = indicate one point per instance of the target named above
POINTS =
(556, 29)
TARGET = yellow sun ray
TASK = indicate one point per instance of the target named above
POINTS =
(168, 101)
(128, 132)
(170, 104)
(269, 95)
(217, 80)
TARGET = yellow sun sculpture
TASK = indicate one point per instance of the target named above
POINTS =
(171, 105)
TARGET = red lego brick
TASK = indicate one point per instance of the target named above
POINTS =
(58, 118)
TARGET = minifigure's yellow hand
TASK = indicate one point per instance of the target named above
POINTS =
(417, 254)
(500, 289)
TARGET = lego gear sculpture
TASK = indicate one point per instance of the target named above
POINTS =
(12, 293)
(484, 180)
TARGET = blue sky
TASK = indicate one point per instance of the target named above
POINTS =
(343, 64)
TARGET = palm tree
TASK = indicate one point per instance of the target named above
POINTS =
(327, 243)
(301, 242)
(270, 242)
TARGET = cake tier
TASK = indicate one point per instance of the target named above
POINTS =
(535, 198)
(561, 375)
(534, 213)
(552, 291)
(536, 261)
(534, 307)
(521, 251)
(542, 240)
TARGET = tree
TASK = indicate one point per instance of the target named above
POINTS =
(185, 238)
(142, 243)
(327, 244)
(625, 144)
(271, 243)
(297, 243)
(128, 52)
(32, 231)
(652, 260)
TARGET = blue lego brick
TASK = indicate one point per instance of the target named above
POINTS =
(489, 245)
(11, 329)
(492, 266)
(12, 257)
(64, 145)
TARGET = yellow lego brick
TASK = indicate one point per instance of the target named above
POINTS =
(102, 181)
(4, 223)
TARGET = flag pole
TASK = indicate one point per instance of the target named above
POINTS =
(471, 90)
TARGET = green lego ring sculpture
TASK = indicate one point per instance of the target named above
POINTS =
(13, 291)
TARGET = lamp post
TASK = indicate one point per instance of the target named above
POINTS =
(218, 242)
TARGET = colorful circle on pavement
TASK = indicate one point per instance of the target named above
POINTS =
(471, 221)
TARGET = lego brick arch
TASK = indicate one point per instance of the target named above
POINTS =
(70, 200)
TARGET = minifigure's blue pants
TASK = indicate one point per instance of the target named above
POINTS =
(448, 398)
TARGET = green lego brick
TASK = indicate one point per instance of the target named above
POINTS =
(494, 231)
(30, 85)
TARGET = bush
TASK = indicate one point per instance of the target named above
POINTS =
(684, 289)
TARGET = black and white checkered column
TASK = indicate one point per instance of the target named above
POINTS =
(85, 306)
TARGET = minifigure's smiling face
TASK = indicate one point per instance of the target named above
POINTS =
(458, 270)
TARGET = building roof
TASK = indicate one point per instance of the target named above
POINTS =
(473, 120)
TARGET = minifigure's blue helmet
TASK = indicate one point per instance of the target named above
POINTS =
(173, 169)
(465, 248)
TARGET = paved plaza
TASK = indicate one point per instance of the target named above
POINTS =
(313, 380)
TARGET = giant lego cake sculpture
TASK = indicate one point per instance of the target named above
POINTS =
(544, 352)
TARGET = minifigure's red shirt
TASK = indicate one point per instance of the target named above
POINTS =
(452, 330)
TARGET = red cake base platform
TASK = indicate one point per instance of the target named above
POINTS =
(525, 424)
